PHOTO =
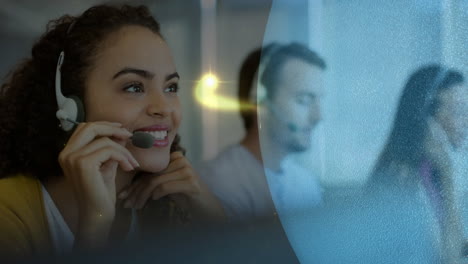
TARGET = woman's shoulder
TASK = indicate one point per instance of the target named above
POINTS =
(21, 195)
(17, 179)
(18, 189)
(22, 217)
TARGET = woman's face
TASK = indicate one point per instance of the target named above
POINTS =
(453, 113)
(133, 81)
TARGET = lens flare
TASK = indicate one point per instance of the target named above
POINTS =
(210, 80)
(205, 93)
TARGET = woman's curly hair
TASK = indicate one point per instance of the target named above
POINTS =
(30, 136)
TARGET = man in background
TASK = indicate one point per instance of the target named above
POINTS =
(256, 178)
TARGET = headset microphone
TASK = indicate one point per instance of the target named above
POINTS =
(142, 140)
(139, 139)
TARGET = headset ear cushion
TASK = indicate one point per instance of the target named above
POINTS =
(80, 109)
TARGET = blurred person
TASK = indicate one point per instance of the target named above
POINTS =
(255, 178)
(73, 178)
(236, 175)
(426, 154)
(289, 111)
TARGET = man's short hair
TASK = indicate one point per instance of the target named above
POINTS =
(276, 55)
(247, 75)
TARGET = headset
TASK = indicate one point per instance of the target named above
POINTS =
(70, 109)
(259, 96)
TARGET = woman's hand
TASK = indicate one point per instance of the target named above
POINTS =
(89, 162)
(178, 178)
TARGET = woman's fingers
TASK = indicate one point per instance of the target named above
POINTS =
(114, 124)
(153, 186)
(90, 160)
(172, 188)
(175, 164)
(102, 155)
(80, 126)
(88, 176)
(89, 137)
(87, 132)
(129, 195)
(74, 160)
(140, 198)
(107, 142)
(145, 188)
(125, 192)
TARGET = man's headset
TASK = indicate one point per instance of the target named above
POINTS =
(259, 94)
(71, 110)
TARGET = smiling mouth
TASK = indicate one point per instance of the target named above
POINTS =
(158, 135)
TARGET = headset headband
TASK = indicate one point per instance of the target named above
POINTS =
(258, 94)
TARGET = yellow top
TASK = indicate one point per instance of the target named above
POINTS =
(24, 229)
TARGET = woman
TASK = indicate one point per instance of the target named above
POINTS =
(430, 124)
(61, 190)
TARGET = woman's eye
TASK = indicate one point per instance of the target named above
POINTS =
(173, 88)
(134, 88)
